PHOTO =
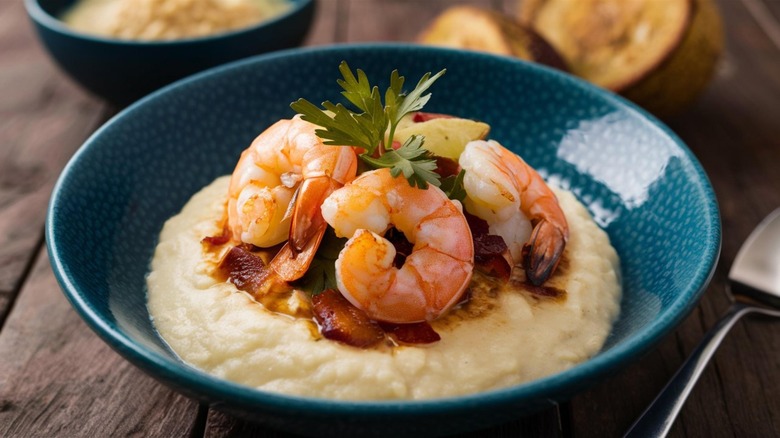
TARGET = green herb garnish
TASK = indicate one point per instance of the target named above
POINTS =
(321, 274)
(411, 159)
(366, 127)
(453, 186)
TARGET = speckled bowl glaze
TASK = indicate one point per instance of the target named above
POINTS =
(121, 71)
(640, 182)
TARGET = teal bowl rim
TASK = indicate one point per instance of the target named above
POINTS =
(555, 387)
(37, 14)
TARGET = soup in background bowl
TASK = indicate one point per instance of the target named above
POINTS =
(122, 71)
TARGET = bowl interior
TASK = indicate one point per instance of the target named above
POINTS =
(640, 183)
(55, 8)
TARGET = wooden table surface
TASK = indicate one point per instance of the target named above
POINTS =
(58, 379)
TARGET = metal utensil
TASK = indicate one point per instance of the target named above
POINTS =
(754, 282)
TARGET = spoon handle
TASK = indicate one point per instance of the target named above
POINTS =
(659, 416)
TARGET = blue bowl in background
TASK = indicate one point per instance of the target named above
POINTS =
(640, 182)
(121, 71)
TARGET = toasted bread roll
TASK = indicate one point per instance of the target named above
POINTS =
(660, 54)
(471, 28)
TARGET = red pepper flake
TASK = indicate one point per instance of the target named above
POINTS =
(340, 321)
(414, 333)
(491, 255)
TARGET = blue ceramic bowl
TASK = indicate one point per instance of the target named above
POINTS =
(639, 180)
(122, 71)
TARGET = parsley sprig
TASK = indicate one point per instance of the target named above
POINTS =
(321, 274)
(366, 126)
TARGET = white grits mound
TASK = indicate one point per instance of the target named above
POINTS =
(223, 331)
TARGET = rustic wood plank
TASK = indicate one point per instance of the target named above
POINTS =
(545, 424)
(766, 13)
(43, 120)
(58, 379)
(733, 131)
(325, 29)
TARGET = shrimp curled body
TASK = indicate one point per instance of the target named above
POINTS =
(286, 157)
(435, 274)
(517, 205)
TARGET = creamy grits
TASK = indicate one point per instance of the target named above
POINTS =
(501, 336)
(168, 19)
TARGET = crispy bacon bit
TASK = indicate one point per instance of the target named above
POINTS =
(446, 166)
(402, 246)
(244, 269)
(477, 225)
(415, 333)
(218, 240)
(340, 321)
(491, 254)
(496, 265)
(424, 117)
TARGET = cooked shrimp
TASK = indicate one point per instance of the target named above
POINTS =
(511, 196)
(267, 176)
(432, 278)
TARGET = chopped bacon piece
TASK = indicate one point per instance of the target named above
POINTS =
(340, 321)
(403, 247)
(244, 269)
(487, 246)
(491, 255)
(476, 224)
(496, 265)
(424, 117)
(446, 167)
(415, 333)
(218, 240)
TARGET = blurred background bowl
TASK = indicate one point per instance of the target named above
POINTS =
(639, 181)
(121, 71)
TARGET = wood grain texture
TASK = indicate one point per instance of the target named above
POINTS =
(733, 130)
(766, 13)
(43, 120)
(545, 424)
(325, 29)
(58, 379)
